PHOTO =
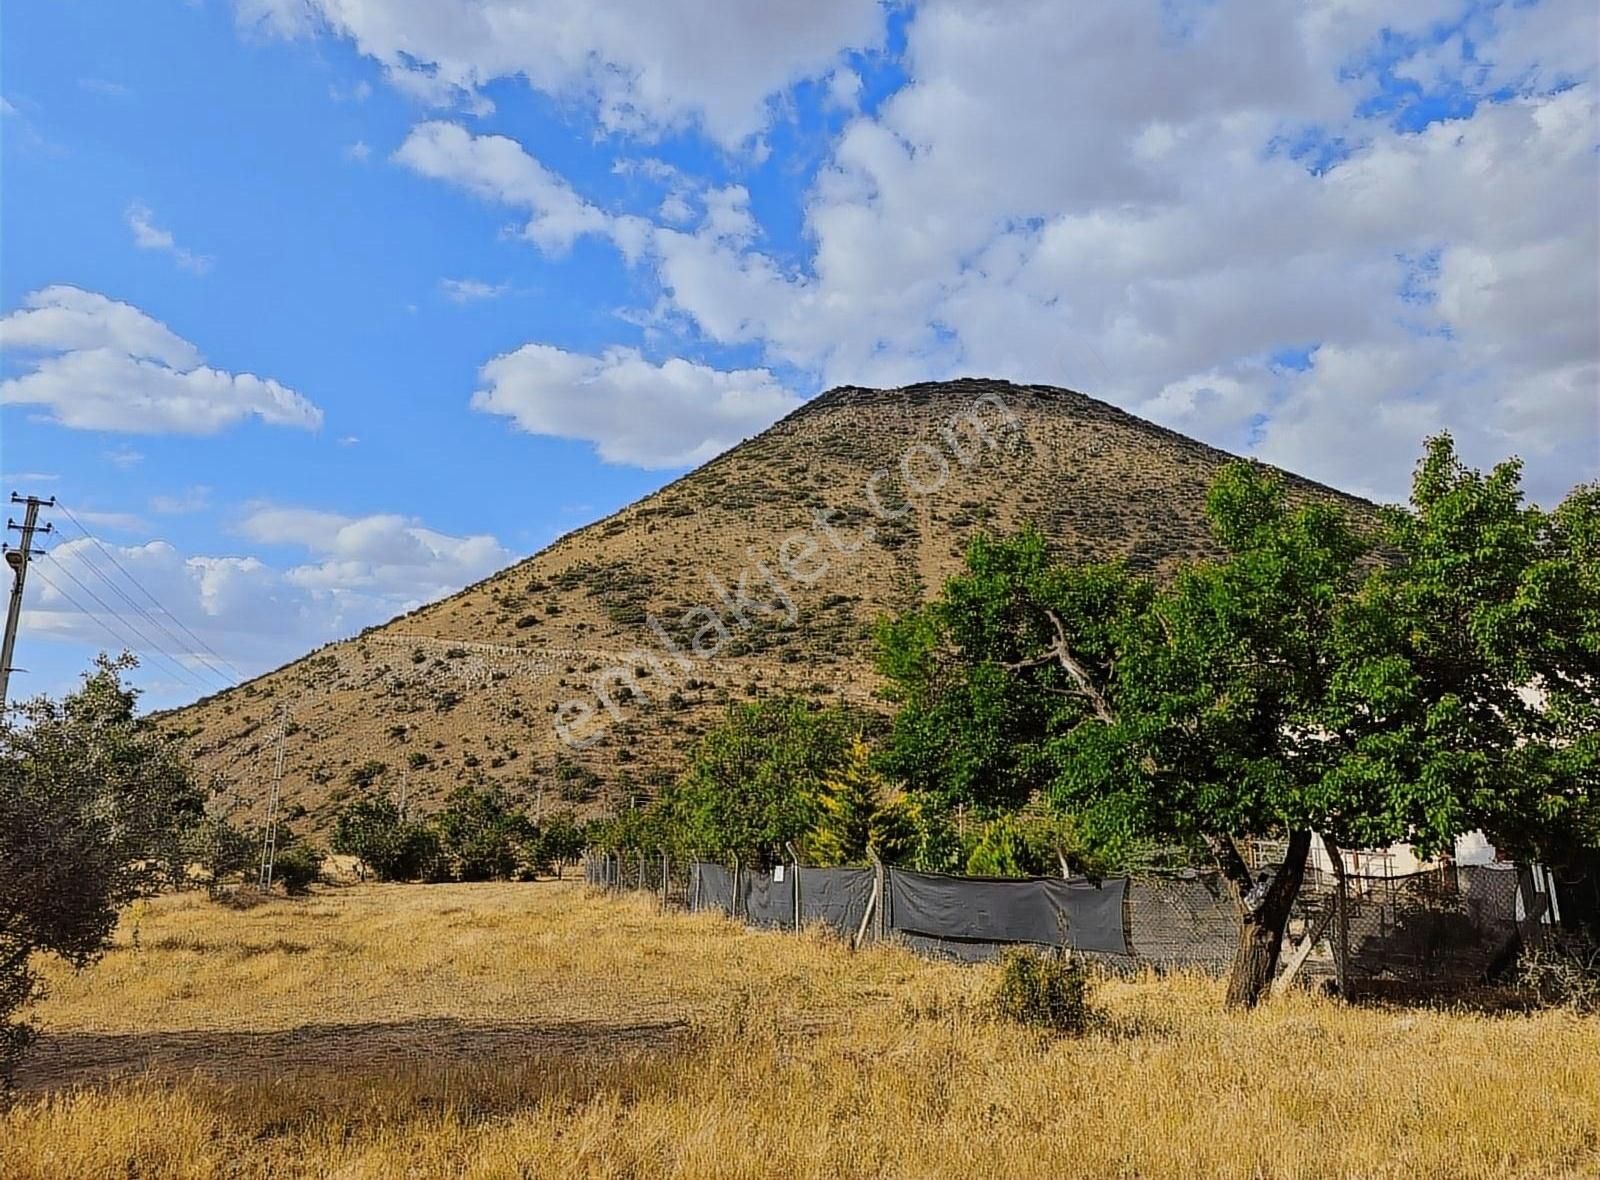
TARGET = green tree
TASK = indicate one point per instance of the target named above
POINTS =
(1468, 695)
(561, 841)
(375, 831)
(481, 835)
(221, 850)
(297, 864)
(854, 811)
(1299, 684)
(755, 778)
(94, 807)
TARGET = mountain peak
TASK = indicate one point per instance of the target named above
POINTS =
(583, 675)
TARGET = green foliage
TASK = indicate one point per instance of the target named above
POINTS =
(221, 850)
(393, 848)
(369, 772)
(561, 841)
(94, 807)
(1000, 851)
(1043, 990)
(755, 779)
(297, 866)
(482, 837)
(854, 812)
(1486, 597)
(980, 711)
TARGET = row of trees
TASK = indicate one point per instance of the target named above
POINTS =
(479, 835)
(1409, 678)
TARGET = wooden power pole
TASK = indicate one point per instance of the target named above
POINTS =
(17, 559)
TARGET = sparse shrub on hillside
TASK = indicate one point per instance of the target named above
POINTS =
(1043, 990)
(362, 777)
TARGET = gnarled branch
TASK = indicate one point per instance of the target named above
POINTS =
(1060, 653)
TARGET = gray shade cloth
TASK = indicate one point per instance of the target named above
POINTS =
(711, 888)
(837, 897)
(1044, 911)
(765, 902)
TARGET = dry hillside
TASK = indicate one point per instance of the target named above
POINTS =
(473, 685)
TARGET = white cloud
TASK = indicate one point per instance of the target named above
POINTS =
(358, 151)
(471, 290)
(1103, 195)
(634, 411)
(389, 556)
(363, 570)
(497, 169)
(640, 65)
(147, 235)
(99, 364)
(192, 499)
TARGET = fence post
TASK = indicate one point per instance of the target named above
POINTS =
(664, 879)
(874, 902)
(733, 902)
(794, 859)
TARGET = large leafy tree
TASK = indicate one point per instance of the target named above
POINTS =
(754, 782)
(1433, 676)
(95, 804)
(1468, 695)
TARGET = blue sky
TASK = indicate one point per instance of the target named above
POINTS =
(313, 310)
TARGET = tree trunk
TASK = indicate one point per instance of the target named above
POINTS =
(1263, 916)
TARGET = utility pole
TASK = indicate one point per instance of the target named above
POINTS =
(269, 841)
(17, 559)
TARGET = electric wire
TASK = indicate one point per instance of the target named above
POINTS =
(148, 644)
(236, 675)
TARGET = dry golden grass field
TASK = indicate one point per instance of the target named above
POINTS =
(535, 1030)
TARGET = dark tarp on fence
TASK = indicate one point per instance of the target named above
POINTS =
(972, 917)
(764, 901)
(711, 888)
(837, 897)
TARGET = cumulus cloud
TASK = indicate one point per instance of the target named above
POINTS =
(251, 613)
(639, 65)
(385, 555)
(634, 411)
(498, 169)
(1201, 193)
(147, 235)
(98, 364)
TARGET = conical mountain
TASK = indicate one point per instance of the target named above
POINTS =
(584, 674)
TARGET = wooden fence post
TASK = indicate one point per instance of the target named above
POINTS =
(664, 879)
(874, 903)
(733, 902)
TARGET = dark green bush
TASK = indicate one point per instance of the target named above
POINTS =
(1044, 990)
(297, 867)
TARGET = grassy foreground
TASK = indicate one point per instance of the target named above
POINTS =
(533, 1030)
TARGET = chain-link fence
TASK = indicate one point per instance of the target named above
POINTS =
(1426, 933)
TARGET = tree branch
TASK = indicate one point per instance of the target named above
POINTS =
(1060, 653)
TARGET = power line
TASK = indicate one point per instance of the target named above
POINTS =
(121, 640)
(237, 675)
(177, 644)
(148, 644)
